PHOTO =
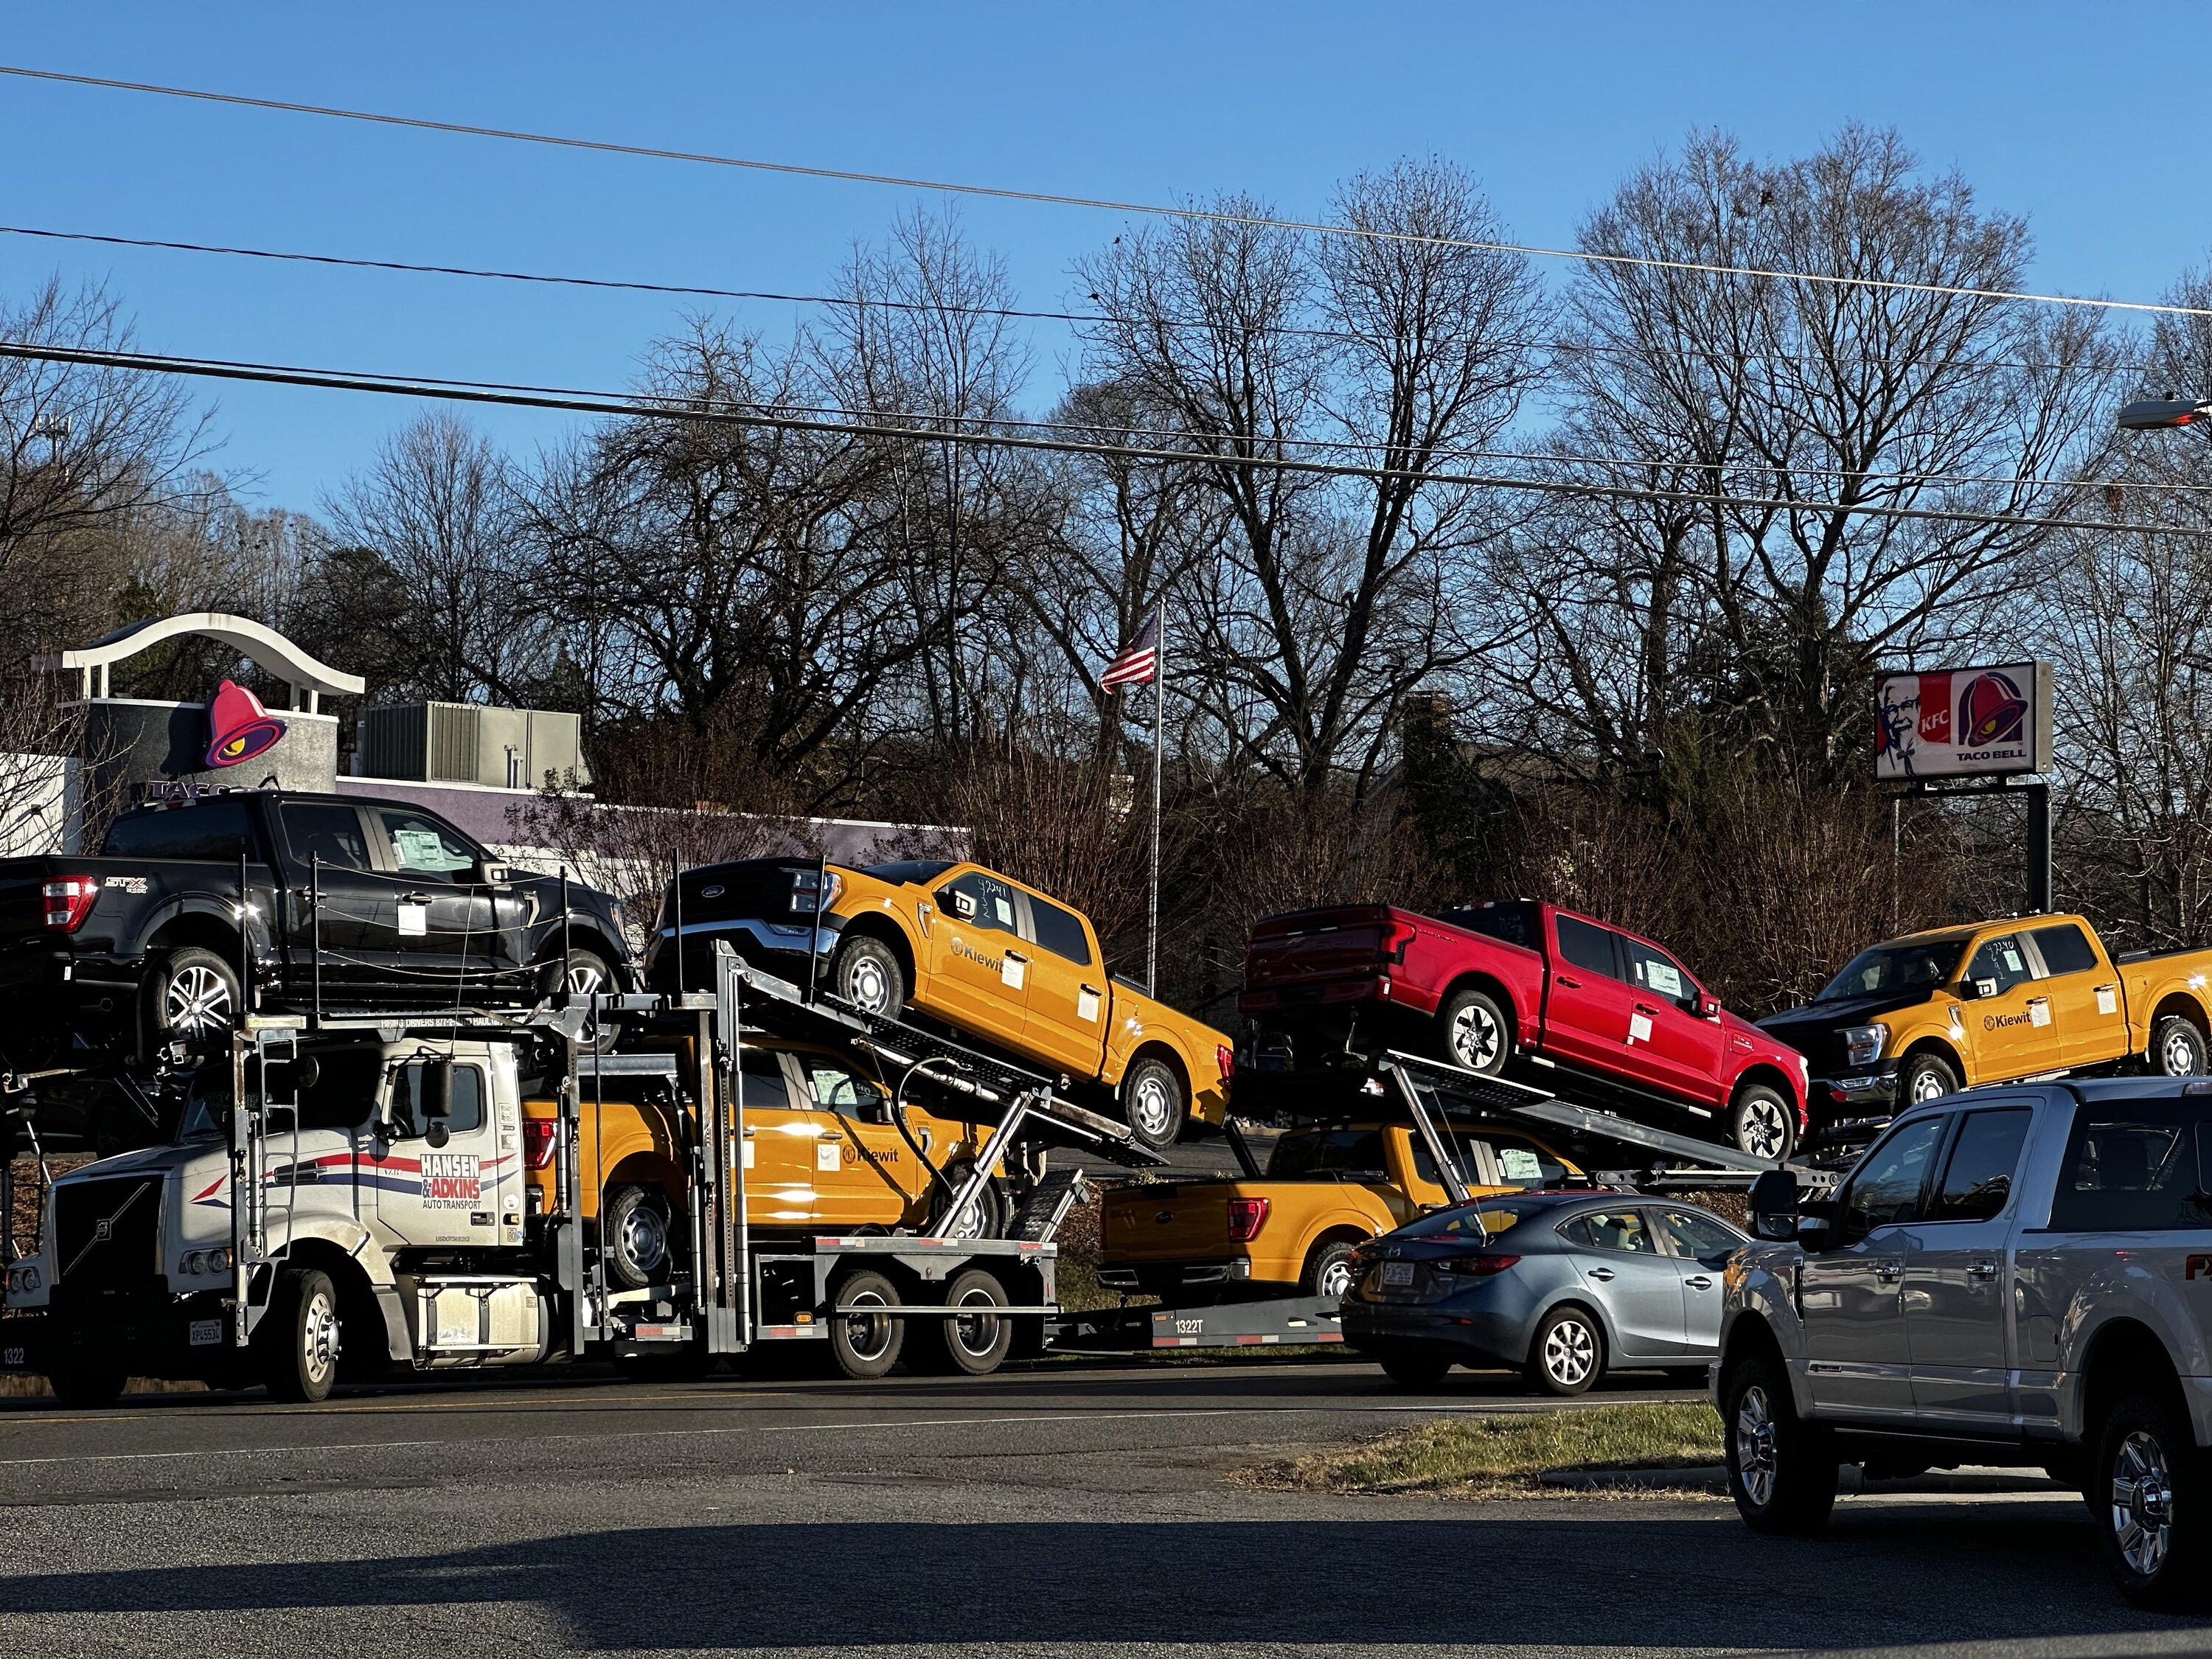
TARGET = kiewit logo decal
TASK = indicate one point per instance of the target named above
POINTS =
(239, 727)
(1991, 710)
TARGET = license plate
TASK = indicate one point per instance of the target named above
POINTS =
(207, 1333)
(1397, 1272)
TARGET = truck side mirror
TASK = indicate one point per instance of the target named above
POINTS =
(1708, 1007)
(1773, 1206)
(437, 1102)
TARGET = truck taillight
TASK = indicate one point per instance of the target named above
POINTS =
(69, 902)
(538, 1136)
(1245, 1217)
(1225, 1058)
(1395, 938)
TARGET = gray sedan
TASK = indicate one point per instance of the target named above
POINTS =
(1564, 1286)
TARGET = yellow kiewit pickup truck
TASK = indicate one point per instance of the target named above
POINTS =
(822, 1155)
(1004, 966)
(1914, 1017)
(1329, 1186)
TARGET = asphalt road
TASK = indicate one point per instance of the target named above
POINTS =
(1063, 1510)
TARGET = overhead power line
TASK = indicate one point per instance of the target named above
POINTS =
(885, 426)
(1054, 198)
(853, 302)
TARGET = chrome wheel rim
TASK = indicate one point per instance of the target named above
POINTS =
(1570, 1352)
(585, 980)
(1765, 1130)
(867, 987)
(977, 1333)
(196, 1000)
(867, 1334)
(1754, 1446)
(2143, 1503)
(2178, 1056)
(1151, 1112)
(1475, 1038)
(1927, 1085)
(319, 1338)
(643, 1240)
(1335, 1279)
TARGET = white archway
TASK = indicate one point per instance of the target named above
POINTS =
(263, 646)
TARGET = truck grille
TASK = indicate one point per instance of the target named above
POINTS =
(107, 1234)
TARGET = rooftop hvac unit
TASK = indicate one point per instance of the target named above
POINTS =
(469, 742)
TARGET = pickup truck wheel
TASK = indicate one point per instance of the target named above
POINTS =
(584, 974)
(299, 1336)
(1151, 1099)
(1781, 1470)
(987, 1213)
(865, 973)
(192, 994)
(867, 1344)
(1328, 1270)
(2177, 1048)
(1567, 1354)
(1924, 1077)
(2148, 1497)
(1412, 1368)
(640, 1237)
(1761, 1123)
(1472, 1031)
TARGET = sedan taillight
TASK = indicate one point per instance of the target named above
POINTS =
(1246, 1216)
(1472, 1266)
(69, 902)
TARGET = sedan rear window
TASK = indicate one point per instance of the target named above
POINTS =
(1497, 1215)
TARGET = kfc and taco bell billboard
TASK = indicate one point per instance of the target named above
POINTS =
(1962, 722)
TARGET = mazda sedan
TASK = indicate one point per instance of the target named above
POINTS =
(1562, 1286)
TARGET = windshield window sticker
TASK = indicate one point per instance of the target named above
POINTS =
(451, 1180)
(1664, 979)
(422, 849)
(2012, 959)
(1519, 1164)
(1639, 1027)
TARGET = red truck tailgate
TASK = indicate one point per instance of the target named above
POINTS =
(1318, 945)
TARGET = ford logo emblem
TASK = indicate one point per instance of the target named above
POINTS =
(710, 892)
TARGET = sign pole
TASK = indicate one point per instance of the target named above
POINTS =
(2038, 848)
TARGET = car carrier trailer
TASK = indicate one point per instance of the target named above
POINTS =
(265, 1243)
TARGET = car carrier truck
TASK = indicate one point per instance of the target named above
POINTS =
(366, 1195)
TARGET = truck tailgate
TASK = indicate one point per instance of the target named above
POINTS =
(1321, 945)
(1167, 1223)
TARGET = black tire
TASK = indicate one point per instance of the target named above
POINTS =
(2177, 1048)
(1567, 1353)
(1922, 1077)
(1327, 1271)
(639, 1228)
(584, 972)
(866, 1345)
(1412, 1367)
(865, 972)
(974, 1345)
(1781, 1470)
(2149, 1495)
(1473, 1031)
(992, 1200)
(1154, 1103)
(298, 1336)
(191, 995)
(88, 1388)
(1763, 1122)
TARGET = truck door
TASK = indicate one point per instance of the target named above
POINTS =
(326, 848)
(2087, 1007)
(1857, 1360)
(979, 974)
(445, 922)
(781, 1145)
(1065, 1021)
(452, 1193)
(1681, 1049)
(2010, 1031)
(1588, 1007)
(862, 1163)
(1956, 1274)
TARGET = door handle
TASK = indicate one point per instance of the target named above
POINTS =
(1562, 980)
(1094, 990)
(1889, 1271)
(1700, 1282)
(1600, 1273)
(1016, 956)
(1981, 1270)
(1645, 1008)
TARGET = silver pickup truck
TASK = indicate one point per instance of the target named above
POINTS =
(2017, 1275)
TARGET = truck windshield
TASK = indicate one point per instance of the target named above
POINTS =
(1898, 968)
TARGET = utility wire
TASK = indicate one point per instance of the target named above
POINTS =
(676, 408)
(1210, 215)
(850, 302)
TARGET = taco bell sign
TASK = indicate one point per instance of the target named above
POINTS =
(1963, 722)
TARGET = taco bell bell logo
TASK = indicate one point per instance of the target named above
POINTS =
(239, 727)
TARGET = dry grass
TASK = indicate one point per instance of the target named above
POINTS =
(1504, 1455)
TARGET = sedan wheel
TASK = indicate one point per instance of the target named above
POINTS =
(1567, 1354)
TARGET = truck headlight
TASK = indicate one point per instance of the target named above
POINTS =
(1862, 1043)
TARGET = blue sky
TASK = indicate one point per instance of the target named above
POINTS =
(2045, 108)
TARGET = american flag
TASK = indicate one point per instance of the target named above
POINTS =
(1140, 659)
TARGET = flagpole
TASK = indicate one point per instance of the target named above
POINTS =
(1159, 733)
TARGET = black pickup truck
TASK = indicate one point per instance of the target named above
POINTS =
(363, 904)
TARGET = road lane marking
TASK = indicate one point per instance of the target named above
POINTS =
(763, 1429)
